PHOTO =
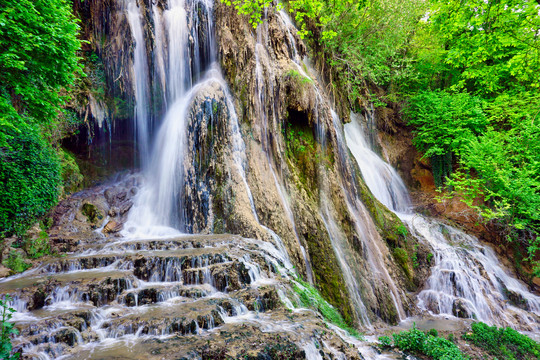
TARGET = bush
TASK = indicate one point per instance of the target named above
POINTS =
(36, 248)
(29, 178)
(506, 343)
(385, 341)
(418, 342)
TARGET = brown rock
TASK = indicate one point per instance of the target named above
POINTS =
(113, 227)
(4, 271)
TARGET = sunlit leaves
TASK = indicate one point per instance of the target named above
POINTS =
(38, 40)
(495, 44)
(444, 121)
(255, 9)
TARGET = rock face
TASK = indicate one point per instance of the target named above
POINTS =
(295, 148)
(265, 157)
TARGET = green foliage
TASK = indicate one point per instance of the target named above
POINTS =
(29, 178)
(7, 330)
(253, 8)
(402, 230)
(505, 343)
(36, 248)
(15, 262)
(499, 173)
(444, 122)
(418, 342)
(494, 45)
(38, 44)
(311, 298)
(414, 257)
(360, 38)
(385, 341)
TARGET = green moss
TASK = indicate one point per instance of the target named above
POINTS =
(401, 257)
(72, 179)
(294, 75)
(311, 298)
(91, 212)
(303, 150)
(328, 275)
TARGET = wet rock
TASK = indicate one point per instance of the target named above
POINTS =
(516, 299)
(460, 310)
(92, 213)
(113, 227)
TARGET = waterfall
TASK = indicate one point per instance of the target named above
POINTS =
(140, 81)
(467, 279)
(381, 178)
(374, 254)
(159, 207)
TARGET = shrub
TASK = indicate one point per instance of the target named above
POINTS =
(418, 342)
(36, 248)
(444, 123)
(506, 343)
(29, 178)
(385, 341)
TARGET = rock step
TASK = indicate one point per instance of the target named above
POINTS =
(159, 293)
(124, 260)
(184, 242)
(166, 318)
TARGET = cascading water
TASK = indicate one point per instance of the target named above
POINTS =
(140, 76)
(374, 253)
(381, 178)
(159, 208)
(467, 279)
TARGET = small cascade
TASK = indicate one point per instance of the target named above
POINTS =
(381, 178)
(467, 279)
(162, 289)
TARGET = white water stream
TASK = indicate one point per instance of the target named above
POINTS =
(466, 278)
(140, 76)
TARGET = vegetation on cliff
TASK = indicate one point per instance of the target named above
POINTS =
(38, 60)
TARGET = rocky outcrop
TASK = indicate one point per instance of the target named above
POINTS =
(291, 135)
